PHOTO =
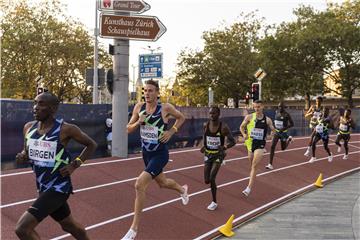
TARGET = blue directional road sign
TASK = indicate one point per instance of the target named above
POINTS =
(150, 65)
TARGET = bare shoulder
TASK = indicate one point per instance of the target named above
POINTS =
(68, 127)
(28, 125)
(167, 106)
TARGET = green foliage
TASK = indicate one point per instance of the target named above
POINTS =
(226, 64)
(39, 40)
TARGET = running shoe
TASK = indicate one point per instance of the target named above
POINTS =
(247, 191)
(339, 149)
(290, 139)
(330, 158)
(212, 206)
(345, 156)
(313, 159)
(307, 153)
(185, 195)
(269, 166)
(130, 235)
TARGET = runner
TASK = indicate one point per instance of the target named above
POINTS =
(345, 124)
(153, 117)
(322, 132)
(45, 142)
(215, 132)
(256, 124)
(283, 122)
(313, 113)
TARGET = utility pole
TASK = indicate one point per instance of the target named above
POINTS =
(120, 97)
(96, 58)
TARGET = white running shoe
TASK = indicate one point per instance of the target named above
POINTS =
(313, 159)
(185, 195)
(290, 139)
(130, 235)
(307, 153)
(330, 158)
(345, 156)
(269, 166)
(212, 206)
(339, 149)
(247, 191)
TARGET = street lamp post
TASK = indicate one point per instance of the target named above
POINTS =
(96, 58)
(211, 97)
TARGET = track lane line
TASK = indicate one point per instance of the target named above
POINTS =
(169, 171)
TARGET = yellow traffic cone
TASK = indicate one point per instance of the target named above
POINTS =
(227, 228)
(318, 182)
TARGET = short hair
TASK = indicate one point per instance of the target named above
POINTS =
(348, 109)
(154, 83)
(53, 100)
(215, 107)
(258, 101)
(320, 98)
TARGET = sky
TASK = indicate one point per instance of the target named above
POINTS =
(186, 20)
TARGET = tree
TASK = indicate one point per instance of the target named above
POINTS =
(40, 40)
(226, 64)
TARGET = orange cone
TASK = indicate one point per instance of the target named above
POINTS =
(318, 182)
(227, 228)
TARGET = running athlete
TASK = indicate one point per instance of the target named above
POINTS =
(256, 125)
(313, 113)
(153, 117)
(215, 132)
(322, 132)
(44, 148)
(345, 124)
(283, 122)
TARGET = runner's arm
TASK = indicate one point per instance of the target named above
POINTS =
(291, 123)
(202, 147)
(229, 137)
(22, 157)
(135, 120)
(270, 124)
(172, 111)
(243, 126)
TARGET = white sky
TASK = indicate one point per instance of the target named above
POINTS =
(186, 20)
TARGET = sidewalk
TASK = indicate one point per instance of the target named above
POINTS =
(331, 212)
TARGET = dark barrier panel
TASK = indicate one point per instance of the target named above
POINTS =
(91, 119)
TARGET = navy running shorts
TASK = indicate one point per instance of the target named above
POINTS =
(155, 161)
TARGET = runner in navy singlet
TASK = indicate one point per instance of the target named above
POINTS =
(45, 142)
(152, 118)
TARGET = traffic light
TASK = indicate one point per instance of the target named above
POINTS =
(110, 80)
(255, 91)
(41, 90)
(247, 97)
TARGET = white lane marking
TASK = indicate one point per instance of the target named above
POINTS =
(274, 202)
(169, 171)
(134, 158)
(197, 193)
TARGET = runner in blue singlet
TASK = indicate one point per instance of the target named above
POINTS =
(45, 142)
(152, 118)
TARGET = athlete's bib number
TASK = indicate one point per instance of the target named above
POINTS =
(319, 128)
(213, 142)
(279, 124)
(257, 134)
(149, 134)
(343, 127)
(42, 152)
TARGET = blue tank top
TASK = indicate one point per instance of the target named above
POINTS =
(152, 129)
(47, 155)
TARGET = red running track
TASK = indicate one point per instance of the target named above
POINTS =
(104, 192)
